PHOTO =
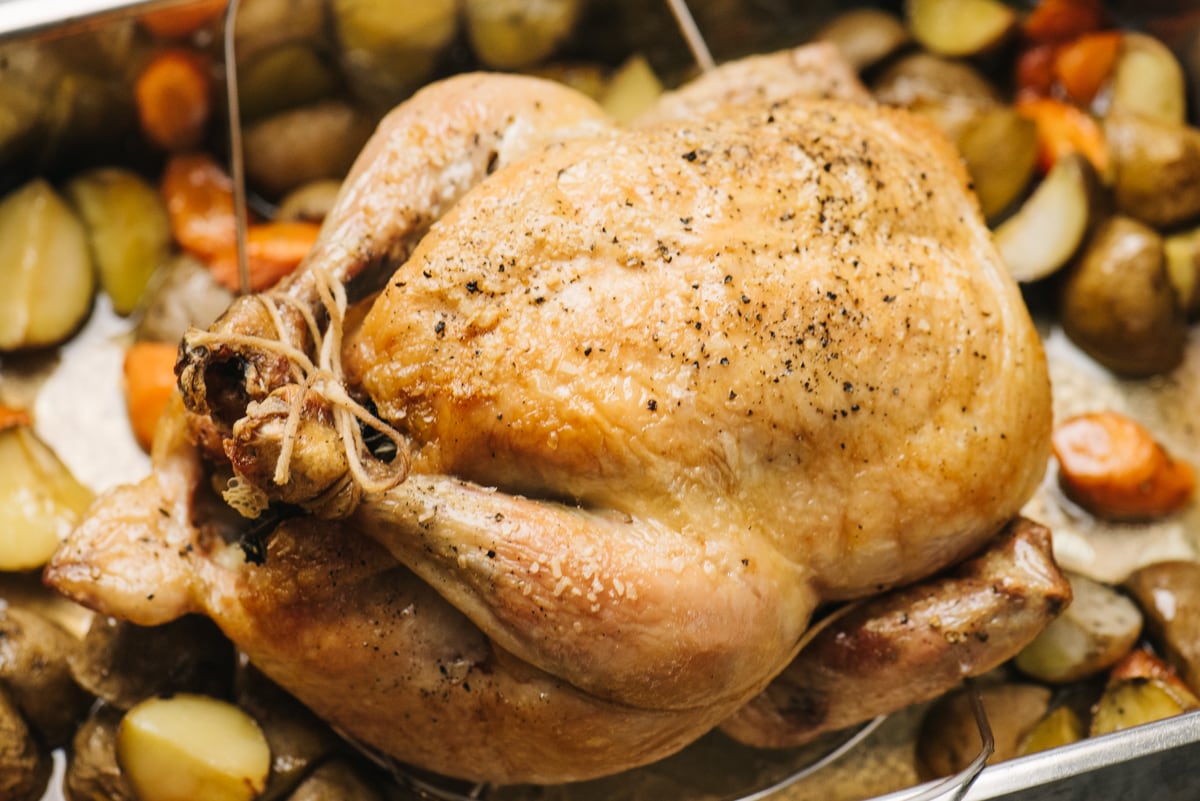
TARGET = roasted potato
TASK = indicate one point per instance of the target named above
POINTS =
(959, 27)
(295, 147)
(1098, 628)
(949, 736)
(34, 666)
(865, 36)
(1118, 304)
(40, 501)
(336, 780)
(297, 738)
(1182, 252)
(514, 34)
(123, 664)
(950, 93)
(189, 747)
(1169, 594)
(182, 294)
(46, 275)
(24, 763)
(1141, 689)
(290, 75)
(1156, 169)
(92, 771)
(999, 147)
(1060, 726)
(127, 230)
(631, 90)
(1148, 81)
(1052, 224)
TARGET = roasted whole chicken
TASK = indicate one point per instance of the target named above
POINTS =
(565, 435)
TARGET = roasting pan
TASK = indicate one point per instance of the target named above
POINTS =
(1159, 761)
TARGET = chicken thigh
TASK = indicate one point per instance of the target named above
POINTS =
(656, 396)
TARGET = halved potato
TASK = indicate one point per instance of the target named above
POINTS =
(46, 275)
(1141, 688)
(1156, 169)
(40, 501)
(188, 747)
(127, 229)
(950, 93)
(1052, 223)
(631, 90)
(1182, 252)
(959, 27)
(1000, 148)
(1099, 628)
(1148, 81)
(92, 771)
(865, 36)
(1060, 726)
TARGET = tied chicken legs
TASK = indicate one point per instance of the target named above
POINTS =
(656, 397)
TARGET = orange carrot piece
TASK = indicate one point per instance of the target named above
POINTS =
(174, 99)
(12, 417)
(199, 199)
(1114, 468)
(273, 250)
(1035, 71)
(1063, 128)
(182, 20)
(1060, 20)
(149, 382)
(1083, 65)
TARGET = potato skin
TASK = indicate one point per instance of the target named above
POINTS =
(34, 668)
(92, 770)
(1169, 594)
(1118, 303)
(24, 763)
(1156, 169)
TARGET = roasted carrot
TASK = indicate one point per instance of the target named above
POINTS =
(149, 382)
(272, 251)
(182, 20)
(1060, 20)
(1082, 65)
(1113, 467)
(199, 198)
(1063, 128)
(1035, 71)
(174, 99)
(11, 417)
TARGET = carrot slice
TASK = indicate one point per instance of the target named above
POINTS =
(12, 417)
(1083, 65)
(1060, 20)
(149, 382)
(174, 99)
(273, 250)
(182, 20)
(1113, 467)
(199, 198)
(1035, 71)
(1063, 128)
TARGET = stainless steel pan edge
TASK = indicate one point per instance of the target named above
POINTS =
(1159, 761)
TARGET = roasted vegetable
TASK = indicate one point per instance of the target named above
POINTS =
(632, 89)
(865, 36)
(951, 93)
(1182, 253)
(295, 147)
(182, 294)
(40, 501)
(1098, 628)
(512, 34)
(1052, 224)
(1156, 169)
(1118, 304)
(949, 736)
(188, 747)
(34, 667)
(288, 76)
(959, 27)
(310, 202)
(174, 98)
(1060, 726)
(1000, 149)
(1169, 593)
(1141, 689)
(123, 664)
(46, 275)
(336, 780)
(1147, 81)
(92, 770)
(24, 762)
(1113, 467)
(149, 372)
(127, 230)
